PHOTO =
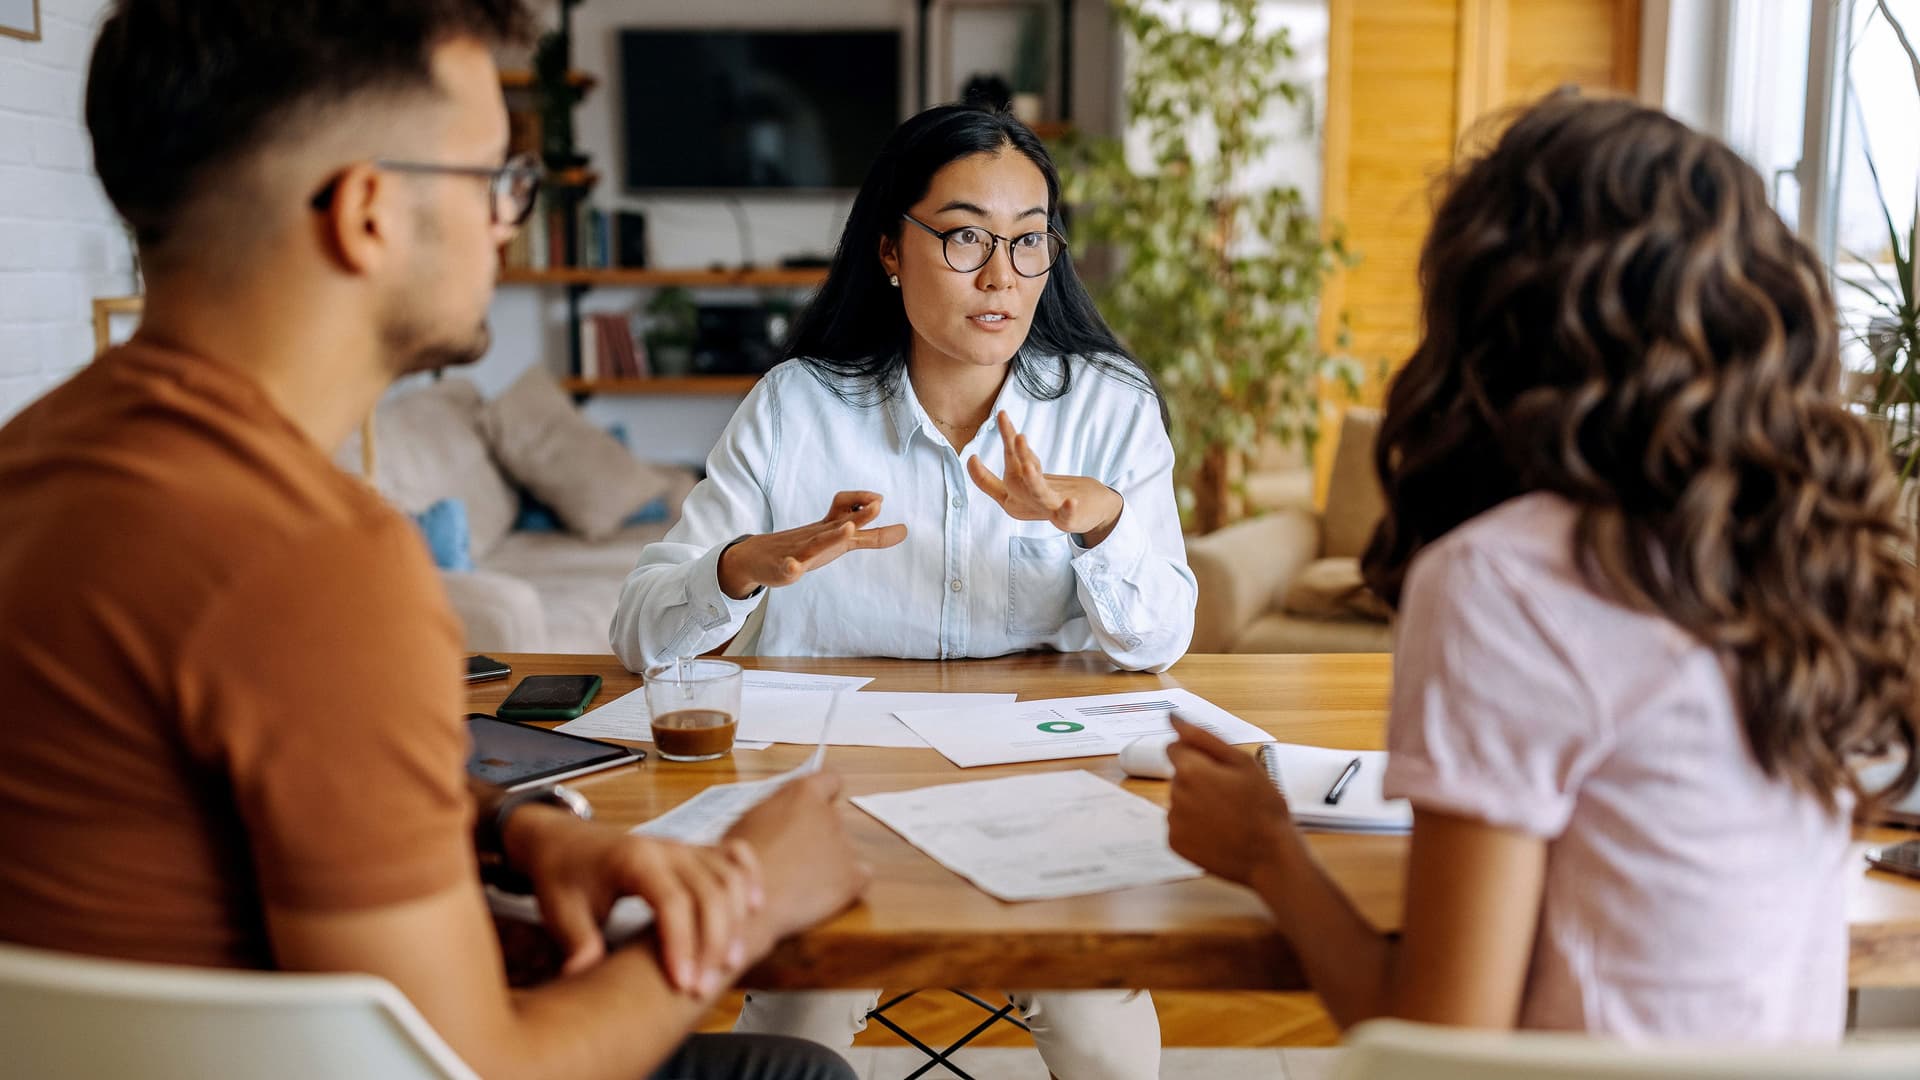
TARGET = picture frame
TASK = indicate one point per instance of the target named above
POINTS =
(20, 19)
(113, 317)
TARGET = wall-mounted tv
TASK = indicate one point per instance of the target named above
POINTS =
(751, 109)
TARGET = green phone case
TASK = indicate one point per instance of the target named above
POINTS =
(544, 710)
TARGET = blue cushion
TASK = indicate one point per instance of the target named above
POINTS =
(444, 524)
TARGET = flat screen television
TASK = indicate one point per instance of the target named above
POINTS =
(726, 110)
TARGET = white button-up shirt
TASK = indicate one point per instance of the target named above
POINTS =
(968, 581)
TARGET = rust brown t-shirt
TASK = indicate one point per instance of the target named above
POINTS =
(228, 675)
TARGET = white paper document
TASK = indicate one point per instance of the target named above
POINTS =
(1069, 727)
(706, 817)
(1036, 837)
(772, 713)
(801, 682)
(772, 692)
(870, 718)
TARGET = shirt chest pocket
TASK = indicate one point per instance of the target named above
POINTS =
(1040, 585)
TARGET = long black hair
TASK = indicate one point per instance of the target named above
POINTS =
(854, 334)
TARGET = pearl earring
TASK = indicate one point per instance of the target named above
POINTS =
(893, 280)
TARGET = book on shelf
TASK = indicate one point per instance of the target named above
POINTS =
(588, 366)
(609, 348)
(596, 239)
(523, 137)
(528, 248)
(555, 220)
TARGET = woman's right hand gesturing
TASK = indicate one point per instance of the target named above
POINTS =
(782, 558)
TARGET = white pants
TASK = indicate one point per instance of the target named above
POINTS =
(1081, 1034)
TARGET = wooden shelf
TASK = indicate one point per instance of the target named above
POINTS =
(1053, 129)
(523, 80)
(573, 179)
(680, 385)
(768, 278)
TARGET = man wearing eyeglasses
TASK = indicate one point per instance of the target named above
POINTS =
(232, 681)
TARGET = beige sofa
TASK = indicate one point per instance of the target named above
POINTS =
(1288, 581)
(529, 591)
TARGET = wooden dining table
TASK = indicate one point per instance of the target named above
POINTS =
(920, 924)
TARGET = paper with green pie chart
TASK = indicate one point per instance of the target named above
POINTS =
(1059, 728)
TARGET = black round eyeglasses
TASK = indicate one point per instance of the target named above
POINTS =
(968, 247)
(512, 188)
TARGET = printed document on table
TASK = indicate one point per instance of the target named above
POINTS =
(1069, 727)
(865, 719)
(626, 717)
(706, 817)
(1036, 837)
(870, 718)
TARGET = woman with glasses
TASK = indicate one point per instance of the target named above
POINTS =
(996, 464)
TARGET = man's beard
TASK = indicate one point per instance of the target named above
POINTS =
(411, 348)
(452, 353)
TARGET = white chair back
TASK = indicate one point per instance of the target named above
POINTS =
(63, 1015)
(1395, 1050)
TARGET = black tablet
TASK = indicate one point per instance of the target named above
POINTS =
(521, 755)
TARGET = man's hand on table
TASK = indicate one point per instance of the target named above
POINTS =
(808, 862)
(705, 899)
(786, 866)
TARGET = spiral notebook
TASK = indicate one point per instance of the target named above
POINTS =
(1306, 774)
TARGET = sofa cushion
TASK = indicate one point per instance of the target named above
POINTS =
(1239, 570)
(578, 581)
(499, 612)
(589, 479)
(1354, 504)
(1331, 589)
(1282, 633)
(427, 447)
(536, 516)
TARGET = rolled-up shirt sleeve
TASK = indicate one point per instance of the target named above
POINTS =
(671, 603)
(1135, 586)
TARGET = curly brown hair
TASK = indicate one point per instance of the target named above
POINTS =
(1613, 313)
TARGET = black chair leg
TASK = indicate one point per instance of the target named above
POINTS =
(943, 1058)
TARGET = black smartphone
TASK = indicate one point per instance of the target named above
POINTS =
(486, 669)
(1901, 858)
(550, 697)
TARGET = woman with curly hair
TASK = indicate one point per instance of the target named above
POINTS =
(1651, 610)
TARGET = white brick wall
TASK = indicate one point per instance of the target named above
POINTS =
(61, 244)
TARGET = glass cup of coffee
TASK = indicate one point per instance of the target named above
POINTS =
(696, 708)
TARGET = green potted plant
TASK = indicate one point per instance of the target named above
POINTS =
(1217, 273)
(1890, 391)
(556, 94)
(673, 323)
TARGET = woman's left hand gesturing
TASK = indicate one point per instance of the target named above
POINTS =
(1075, 504)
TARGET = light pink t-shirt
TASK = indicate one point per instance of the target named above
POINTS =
(1688, 896)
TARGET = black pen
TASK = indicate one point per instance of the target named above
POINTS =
(1340, 785)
